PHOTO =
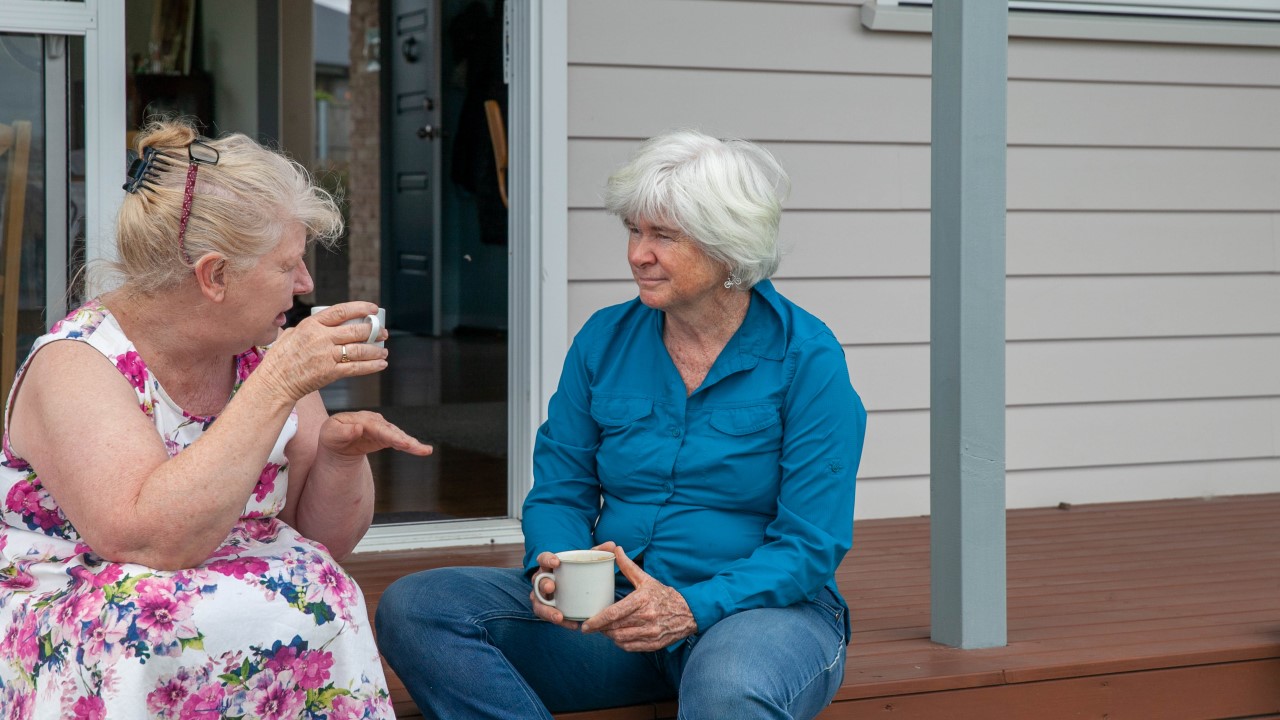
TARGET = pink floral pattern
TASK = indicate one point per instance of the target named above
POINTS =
(266, 481)
(78, 634)
(133, 369)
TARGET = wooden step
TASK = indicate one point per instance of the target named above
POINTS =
(1166, 609)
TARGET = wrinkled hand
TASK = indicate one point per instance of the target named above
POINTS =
(548, 562)
(305, 358)
(652, 617)
(353, 435)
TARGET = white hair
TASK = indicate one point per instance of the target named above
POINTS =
(724, 194)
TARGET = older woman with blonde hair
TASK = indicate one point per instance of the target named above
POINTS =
(707, 434)
(176, 496)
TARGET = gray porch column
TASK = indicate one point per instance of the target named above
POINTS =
(967, 336)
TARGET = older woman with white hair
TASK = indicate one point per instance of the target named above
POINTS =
(176, 496)
(707, 434)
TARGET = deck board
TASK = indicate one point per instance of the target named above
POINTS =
(1166, 609)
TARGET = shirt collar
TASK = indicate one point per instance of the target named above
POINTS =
(764, 330)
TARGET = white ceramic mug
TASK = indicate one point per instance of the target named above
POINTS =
(376, 322)
(584, 583)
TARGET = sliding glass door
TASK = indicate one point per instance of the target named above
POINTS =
(42, 186)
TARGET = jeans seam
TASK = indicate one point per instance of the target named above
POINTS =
(509, 668)
(825, 671)
(840, 649)
(504, 615)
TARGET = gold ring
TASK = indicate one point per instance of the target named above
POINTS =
(344, 357)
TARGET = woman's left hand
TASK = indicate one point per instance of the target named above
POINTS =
(355, 434)
(652, 617)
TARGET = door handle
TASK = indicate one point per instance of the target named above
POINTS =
(428, 132)
(409, 48)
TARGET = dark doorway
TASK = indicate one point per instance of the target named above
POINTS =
(413, 159)
(444, 274)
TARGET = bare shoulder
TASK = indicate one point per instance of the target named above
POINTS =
(70, 390)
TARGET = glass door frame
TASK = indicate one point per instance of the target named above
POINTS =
(537, 73)
(101, 23)
(536, 69)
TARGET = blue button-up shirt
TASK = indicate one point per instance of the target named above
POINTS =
(740, 495)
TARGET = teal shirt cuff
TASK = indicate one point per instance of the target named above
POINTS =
(708, 604)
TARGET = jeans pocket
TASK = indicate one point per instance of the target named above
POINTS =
(827, 603)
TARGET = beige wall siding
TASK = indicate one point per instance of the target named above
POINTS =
(1143, 231)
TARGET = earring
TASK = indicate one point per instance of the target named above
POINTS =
(732, 281)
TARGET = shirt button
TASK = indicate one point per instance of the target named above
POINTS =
(675, 432)
(666, 486)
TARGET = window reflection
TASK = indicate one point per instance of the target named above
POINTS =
(42, 187)
(22, 213)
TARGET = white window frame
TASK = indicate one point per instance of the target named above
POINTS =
(538, 282)
(538, 182)
(1192, 22)
(101, 23)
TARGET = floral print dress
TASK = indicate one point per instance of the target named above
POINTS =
(268, 627)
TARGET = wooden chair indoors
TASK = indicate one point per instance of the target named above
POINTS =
(15, 150)
(498, 135)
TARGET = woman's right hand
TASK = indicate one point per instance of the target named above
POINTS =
(305, 358)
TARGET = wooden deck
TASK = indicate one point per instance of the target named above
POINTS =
(1153, 610)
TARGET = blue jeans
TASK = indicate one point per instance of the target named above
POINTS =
(467, 645)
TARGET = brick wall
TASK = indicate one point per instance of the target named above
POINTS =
(365, 187)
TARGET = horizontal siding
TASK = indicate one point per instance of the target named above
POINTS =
(828, 176)
(1143, 232)
(860, 244)
(774, 106)
(829, 38)
(896, 377)
(1073, 436)
(907, 496)
(876, 311)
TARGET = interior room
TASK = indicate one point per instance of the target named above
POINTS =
(317, 80)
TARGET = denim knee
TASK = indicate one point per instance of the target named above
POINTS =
(731, 683)
(740, 688)
(766, 663)
(429, 597)
(416, 607)
(401, 602)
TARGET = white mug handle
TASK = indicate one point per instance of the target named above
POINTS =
(375, 329)
(537, 588)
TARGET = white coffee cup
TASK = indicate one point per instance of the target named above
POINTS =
(584, 583)
(376, 322)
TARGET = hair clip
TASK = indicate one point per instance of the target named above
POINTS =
(141, 169)
(198, 153)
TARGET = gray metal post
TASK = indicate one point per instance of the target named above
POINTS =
(967, 285)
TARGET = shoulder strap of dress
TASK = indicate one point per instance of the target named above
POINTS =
(82, 325)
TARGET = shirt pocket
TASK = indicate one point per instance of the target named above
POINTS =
(747, 444)
(614, 412)
(743, 421)
(626, 440)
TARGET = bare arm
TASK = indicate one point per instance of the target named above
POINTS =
(330, 484)
(76, 420)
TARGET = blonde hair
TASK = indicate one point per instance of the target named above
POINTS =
(240, 207)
